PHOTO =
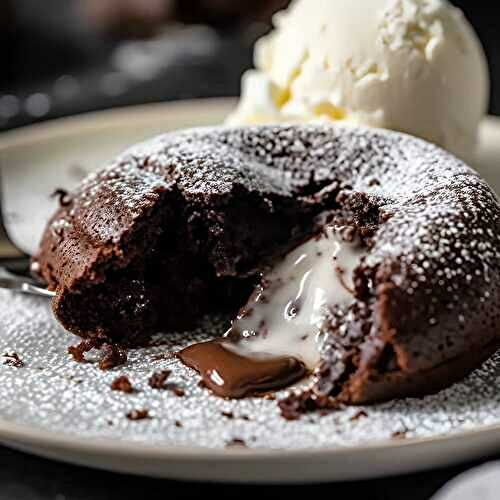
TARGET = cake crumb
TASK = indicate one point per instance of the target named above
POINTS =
(63, 197)
(399, 434)
(361, 414)
(236, 442)
(78, 351)
(178, 423)
(228, 414)
(297, 404)
(176, 389)
(113, 356)
(158, 379)
(13, 359)
(138, 415)
(122, 384)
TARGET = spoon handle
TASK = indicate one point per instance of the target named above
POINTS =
(20, 284)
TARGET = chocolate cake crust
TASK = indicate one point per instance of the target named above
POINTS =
(183, 223)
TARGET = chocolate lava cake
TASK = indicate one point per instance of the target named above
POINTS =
(184, 225)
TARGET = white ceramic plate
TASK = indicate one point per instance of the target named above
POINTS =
(38, 159)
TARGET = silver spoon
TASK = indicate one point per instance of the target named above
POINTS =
(20, 284)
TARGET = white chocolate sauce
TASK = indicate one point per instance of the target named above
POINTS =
(284, 316)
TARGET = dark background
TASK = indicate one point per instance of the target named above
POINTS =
(53, 67)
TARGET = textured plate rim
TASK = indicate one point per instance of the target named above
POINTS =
(104, 119)
(20, 433)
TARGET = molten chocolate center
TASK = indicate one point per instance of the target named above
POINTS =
(277, 336)
(231, 375)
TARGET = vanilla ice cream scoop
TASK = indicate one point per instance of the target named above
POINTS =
(414, 66)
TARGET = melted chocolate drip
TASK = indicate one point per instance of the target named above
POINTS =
(231, 375)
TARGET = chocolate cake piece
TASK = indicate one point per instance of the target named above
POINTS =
(184, 224)
(173, 229)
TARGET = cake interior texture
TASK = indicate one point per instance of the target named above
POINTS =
(186, 225)
(179, 263)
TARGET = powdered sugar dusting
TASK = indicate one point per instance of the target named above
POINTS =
(277, 160)
(438, 239)
(52, 392)
(438, 245)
